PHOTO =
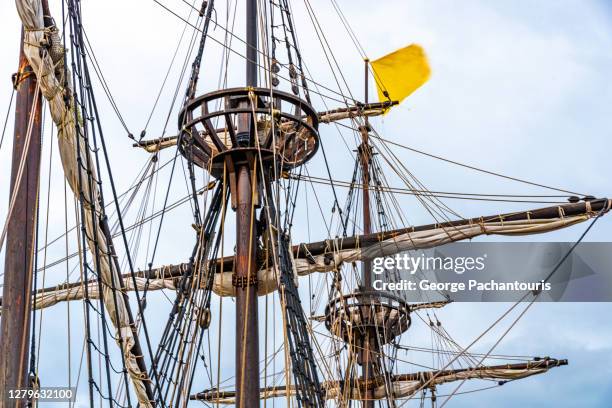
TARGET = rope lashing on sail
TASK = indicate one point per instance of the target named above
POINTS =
(56, 91)
(327, 256)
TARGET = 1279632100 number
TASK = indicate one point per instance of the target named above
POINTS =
(57, 394)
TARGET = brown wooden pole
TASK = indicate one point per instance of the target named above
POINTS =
(369, 342)
(365, 154)
(247, 336)
(20, 251)
(247, 330)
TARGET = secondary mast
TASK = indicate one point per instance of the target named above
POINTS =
(20, 238)
(369, 351)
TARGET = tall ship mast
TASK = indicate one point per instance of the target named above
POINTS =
(258, 313)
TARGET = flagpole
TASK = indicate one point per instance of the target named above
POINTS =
(365, 152)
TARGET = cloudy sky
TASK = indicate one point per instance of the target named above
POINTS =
(521, 88)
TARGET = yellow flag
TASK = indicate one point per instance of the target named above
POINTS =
(400, 73)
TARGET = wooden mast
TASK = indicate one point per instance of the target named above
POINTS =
(365, 155)
(20, 239)
(247, 340)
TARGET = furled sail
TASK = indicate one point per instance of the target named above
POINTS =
(325, 256)
(404, 385)
(45, 66)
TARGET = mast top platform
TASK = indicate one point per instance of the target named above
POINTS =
(355, 316)
(247, 122)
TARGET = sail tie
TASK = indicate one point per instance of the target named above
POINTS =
(307, 254)
(561, 212)
(481, 224)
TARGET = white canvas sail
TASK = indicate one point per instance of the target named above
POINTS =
(35, 36)
(336, 256)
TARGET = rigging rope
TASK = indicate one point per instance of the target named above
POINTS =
(241, 55)
(387, 141)
(8, 112)
(535, 295)
(440, 194)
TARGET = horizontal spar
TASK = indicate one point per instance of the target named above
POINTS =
(404, 385)
(328, 255)
(330, 116)
(559, 211)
